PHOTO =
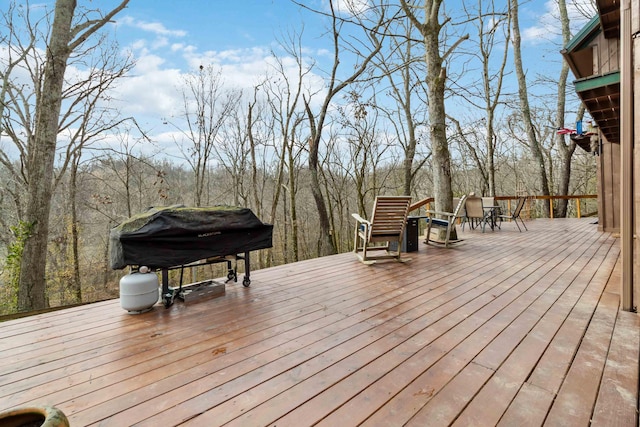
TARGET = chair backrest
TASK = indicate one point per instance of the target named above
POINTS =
(519, 206)
(389, 215)
(456, 202)
(488, 201)
(459, 209)
(473, 206)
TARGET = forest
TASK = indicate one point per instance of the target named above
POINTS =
(414, 99)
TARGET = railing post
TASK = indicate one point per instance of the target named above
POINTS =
(578, 208)
(627, 214)
(550, 208)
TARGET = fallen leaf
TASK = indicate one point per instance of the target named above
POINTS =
(425, 392)
(221, 350)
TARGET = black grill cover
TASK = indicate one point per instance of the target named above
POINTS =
(177, 235)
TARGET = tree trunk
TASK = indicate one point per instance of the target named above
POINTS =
(293, 214)
(525, 109)
(491, 167)
(326, 245)
(32, 292)
(42, 149)
(75, 285)
(412, 142)
(325, 242)
(436, 79)
(255, 189)
(410, 154)
(492, 98)
(438, 132)
(566, 150)
(436, 82)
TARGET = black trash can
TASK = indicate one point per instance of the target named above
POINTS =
(410, 238)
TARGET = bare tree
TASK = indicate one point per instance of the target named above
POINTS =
(285, 90)
(261, 132)
(525, 109)
(403, 70)
(372, 32)
(85, 119)
(206, 107)
(66, 37)
(368, 152)
(118, 183)
(566, 149)
(430, 28)
(19, 49)
(120, 177)
(493, 27)
(232, 155)
(21, 52)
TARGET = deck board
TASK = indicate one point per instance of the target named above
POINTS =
(614, 405)
(504, 328)
(489, 322)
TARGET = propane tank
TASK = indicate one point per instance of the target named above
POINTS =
(139, 291)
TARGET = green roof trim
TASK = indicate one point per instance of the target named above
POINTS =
(596, 82)
(585, 35)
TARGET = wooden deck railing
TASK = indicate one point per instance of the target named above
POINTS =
(578, 199)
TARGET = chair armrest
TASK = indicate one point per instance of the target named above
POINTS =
(360, 219)
(431, 213)
(362, 225)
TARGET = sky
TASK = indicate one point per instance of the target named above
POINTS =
(169, 38)
(237, 36)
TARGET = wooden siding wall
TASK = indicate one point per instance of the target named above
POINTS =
(605, 55)
(609, 202)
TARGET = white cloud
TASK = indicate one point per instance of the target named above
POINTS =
(156, 28)
(348, 7)
(245, 68)
(547, 26)
(138, 45)
(159, 43)
(184, 49)
(150, 91)
(155, 36)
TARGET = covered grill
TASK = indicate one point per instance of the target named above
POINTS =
(175, 236)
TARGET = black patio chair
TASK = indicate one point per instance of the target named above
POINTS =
(515, 216)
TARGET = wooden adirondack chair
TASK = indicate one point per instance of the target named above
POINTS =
(386, 226)
(444, 220)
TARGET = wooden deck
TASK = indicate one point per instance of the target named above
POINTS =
(505, 328)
